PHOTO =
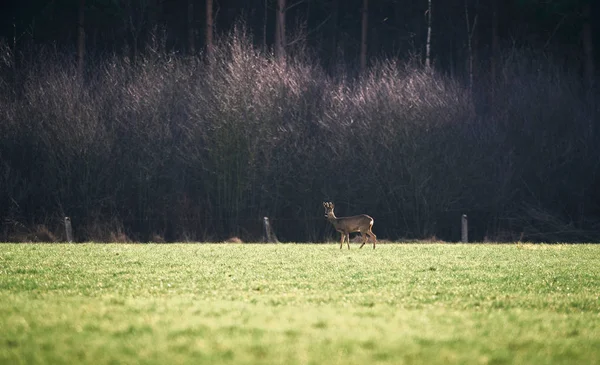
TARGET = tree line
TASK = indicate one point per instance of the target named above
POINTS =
(165, 140)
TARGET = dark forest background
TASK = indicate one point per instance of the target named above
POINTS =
(189, 120)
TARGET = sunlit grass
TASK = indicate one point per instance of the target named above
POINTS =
(299, 304)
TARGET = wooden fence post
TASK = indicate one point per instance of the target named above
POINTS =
(269, 234)
(464, 229)
(68, 229)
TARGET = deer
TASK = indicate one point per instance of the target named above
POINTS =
(346, 225)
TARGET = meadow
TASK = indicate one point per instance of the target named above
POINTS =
(299, 304)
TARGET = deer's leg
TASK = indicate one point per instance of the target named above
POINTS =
(373, 237)
(364, 237)
(342, 241)
(348, 240)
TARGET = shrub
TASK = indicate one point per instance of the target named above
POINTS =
(198, 150)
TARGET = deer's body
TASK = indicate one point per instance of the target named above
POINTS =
(362, 224)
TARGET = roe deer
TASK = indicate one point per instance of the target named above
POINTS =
(345, 225)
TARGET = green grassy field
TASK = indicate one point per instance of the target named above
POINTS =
(299, 304)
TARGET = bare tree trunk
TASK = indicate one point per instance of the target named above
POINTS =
(209, 29)
(335, 10)
(81, 38)
(493, 61)
(154, 13)
(364, 33)
(191, 29)
(470, 32)
(588, 50)
(280, 30)
(134, 46)
(134, 26)
(265, 18)
(428, 45)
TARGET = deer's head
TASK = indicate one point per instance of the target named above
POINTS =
(328, 209)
